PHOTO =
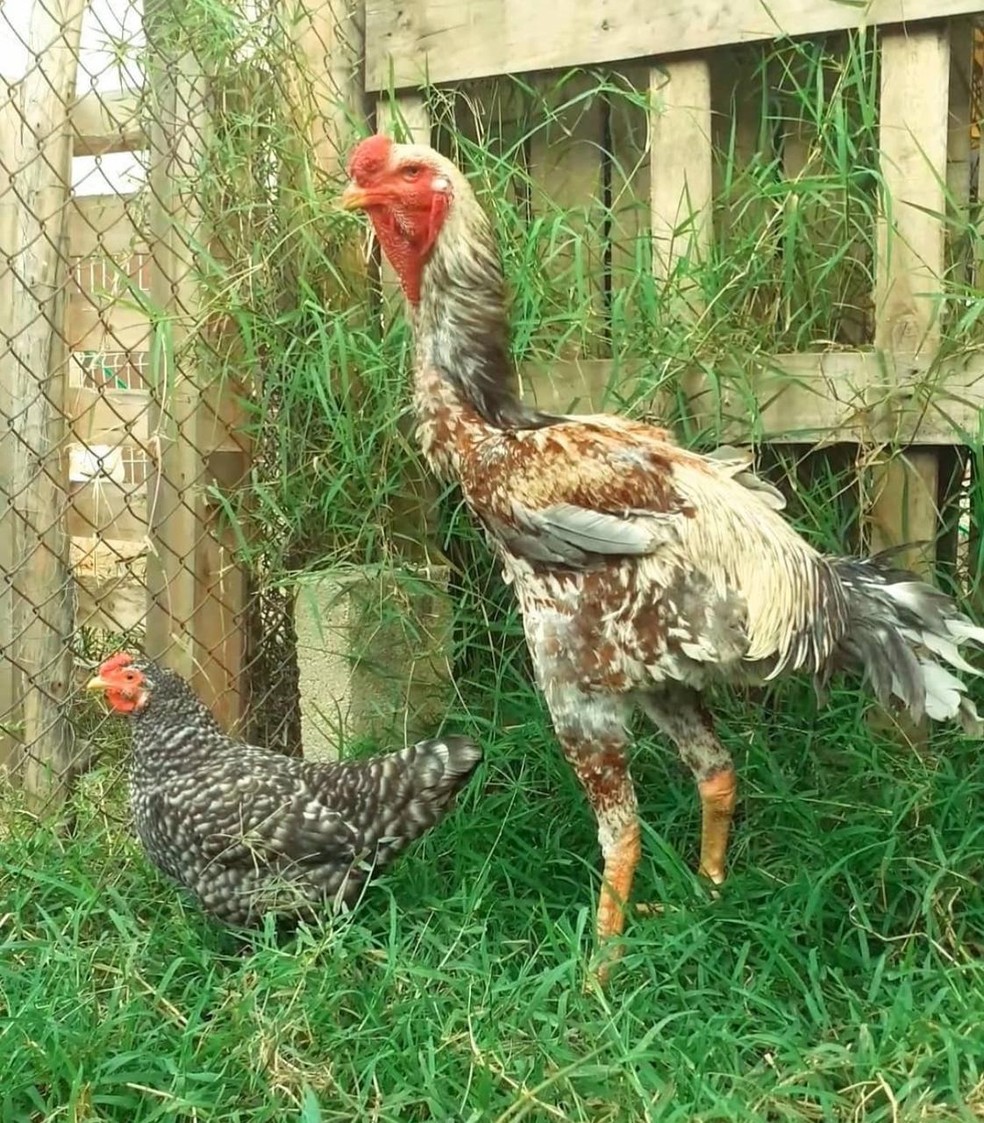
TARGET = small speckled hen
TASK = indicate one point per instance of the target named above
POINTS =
(251, 832)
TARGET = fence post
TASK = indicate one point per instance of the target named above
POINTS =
(910, 264)
(178, 110)
(915, 75)
(681, 164)
(10, 688)
(196, 592)
(38, 620)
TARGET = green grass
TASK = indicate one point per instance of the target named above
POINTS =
(838, 976)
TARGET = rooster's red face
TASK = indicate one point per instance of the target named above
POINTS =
(124, 685)
(407, 194)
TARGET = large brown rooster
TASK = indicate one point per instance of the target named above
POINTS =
(645, 572)
(251, 832)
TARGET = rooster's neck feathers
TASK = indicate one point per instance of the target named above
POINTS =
(462, 321)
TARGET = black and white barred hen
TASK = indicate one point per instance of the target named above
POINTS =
(251, 832)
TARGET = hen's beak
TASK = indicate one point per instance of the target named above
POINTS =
(97, 683)
(353, 198)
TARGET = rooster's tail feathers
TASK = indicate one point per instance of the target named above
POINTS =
(906, 635)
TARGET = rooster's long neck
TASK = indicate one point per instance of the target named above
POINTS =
(461, 324)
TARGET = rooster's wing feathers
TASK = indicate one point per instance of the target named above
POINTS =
(575, 491)
(586, 488)
(567, 534)
(587, 492)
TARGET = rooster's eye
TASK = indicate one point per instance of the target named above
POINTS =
(412, 171)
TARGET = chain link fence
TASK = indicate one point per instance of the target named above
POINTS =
(151, 163)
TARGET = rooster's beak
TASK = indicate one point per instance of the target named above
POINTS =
(353, 198)
(97, 683)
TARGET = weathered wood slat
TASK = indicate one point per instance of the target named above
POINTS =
(915, 78)
(680, 158)
(36, 619)
(106, 122)
(179, 94)
(411, 42)
(830, 397)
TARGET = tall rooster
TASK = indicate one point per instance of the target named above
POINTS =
(644, 572)
(249, 831)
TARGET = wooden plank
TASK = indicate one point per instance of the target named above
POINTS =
(958, 149)
(417, 42)
(107, 122)
(826, 397)
(37, 156)
(579, 385)
(220, 617)
(915, 73)
(977, 125)
(179, 98)
(11, 690)
(681, 174)
(106, 510)
(566, 172)
(629, 128)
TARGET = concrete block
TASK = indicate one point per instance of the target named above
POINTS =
(373, 651)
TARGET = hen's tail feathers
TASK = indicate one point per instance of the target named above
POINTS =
(442, 766)
(405, 793)
(904, 634)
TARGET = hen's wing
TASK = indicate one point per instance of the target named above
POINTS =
(256, 807)
(590, 491)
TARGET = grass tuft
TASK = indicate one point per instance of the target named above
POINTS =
(838, 976)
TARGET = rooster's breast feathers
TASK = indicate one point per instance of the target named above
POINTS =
(589, 492)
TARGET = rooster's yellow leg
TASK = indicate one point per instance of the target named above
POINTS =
(717, 798)
(603, 771)
(680, 714)
(616, 882)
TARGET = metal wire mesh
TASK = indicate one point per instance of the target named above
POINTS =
(117, 455)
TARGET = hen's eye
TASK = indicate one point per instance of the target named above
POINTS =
(411, 171)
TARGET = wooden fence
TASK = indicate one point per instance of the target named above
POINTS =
(685, 56)
(137, 504)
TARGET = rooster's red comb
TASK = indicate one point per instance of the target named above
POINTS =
(369, 158)
(116, 662)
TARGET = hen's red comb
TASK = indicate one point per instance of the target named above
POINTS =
(115, 662)
(369, 158)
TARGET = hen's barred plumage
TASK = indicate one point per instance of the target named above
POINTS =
(251, 832)
(645, 572)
